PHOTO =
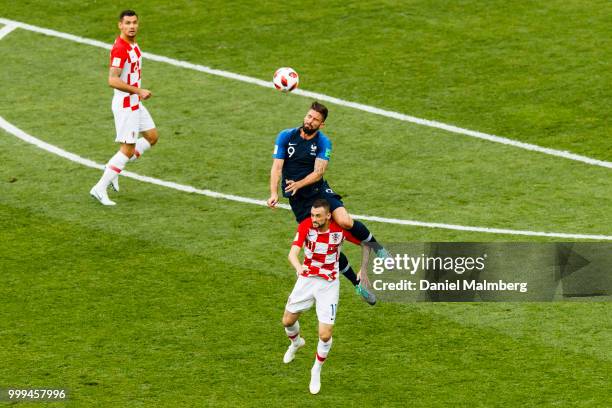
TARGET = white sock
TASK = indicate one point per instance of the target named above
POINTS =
(293, 332)
(114, 166)
(142, 145)
(322, 350)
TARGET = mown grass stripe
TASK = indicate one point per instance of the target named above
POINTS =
(326, 98)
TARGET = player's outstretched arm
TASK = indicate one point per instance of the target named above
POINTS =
(275, 175)
(294, 260)
(115, 81)
(320, 166)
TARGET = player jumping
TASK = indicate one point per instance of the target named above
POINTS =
(317, 282)
(131, 116)
(301, 156)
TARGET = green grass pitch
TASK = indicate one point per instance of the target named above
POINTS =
(174, 299)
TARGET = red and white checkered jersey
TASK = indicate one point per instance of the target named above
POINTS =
(129, 58)
(322, 249)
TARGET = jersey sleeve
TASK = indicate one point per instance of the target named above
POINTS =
(300, 235)
(118, 57)
(280, 146)
(324, 148)
(350, 237)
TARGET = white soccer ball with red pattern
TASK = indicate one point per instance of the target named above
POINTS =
(285, 79)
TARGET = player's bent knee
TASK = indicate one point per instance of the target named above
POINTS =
(289, 319)
(346, 225)
(325, 333)
(151, 135)
(345, 222)
(342, 217)
(127, 149)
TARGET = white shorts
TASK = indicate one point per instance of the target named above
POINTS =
(308, 290)
(130, 123)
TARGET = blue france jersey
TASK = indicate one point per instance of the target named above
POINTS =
(299, 155)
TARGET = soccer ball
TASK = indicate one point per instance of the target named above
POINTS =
(285, 79)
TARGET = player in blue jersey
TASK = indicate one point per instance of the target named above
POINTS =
(301, 156)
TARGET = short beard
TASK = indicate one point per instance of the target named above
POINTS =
(309, 131)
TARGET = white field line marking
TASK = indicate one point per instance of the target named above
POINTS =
(4, 31)
(326, 98)
(13, 130)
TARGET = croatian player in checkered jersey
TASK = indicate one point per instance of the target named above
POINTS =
(131, 116)
(317, 282)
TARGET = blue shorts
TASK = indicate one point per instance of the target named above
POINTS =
(301, 205)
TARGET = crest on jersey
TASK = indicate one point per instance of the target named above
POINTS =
(335, 238)
(133, 56)
(313, 150)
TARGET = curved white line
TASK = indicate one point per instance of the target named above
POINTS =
(15, 131)
(326, 98)
(6, 30)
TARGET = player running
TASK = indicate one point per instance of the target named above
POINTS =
(301, 156)
(131, 116)
(317, 282)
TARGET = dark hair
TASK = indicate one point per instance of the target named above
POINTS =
(127, 13)
(319, 107)
(321, 203)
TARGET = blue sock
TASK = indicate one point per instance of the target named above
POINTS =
(362, 233)
(346, 270)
